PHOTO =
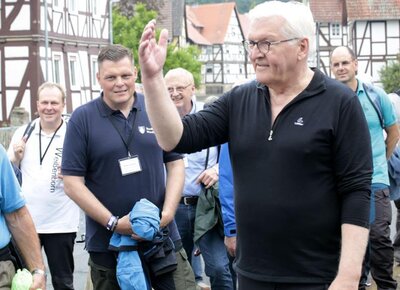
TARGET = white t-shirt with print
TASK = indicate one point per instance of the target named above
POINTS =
(51, 209)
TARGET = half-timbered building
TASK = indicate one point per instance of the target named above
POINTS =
(217, 30)
(50, 40)
(370, 27)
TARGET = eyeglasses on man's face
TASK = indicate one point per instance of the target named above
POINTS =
(179, 89)
(263, 45)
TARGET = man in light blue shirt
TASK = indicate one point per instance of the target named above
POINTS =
(201, 170)
(15, 220)
(344, 66)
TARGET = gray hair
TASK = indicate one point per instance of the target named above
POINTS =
(299, 21)
(183, 73)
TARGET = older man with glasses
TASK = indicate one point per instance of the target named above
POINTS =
(300, 152)
(201, 171)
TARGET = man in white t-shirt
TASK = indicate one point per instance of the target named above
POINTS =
(38, 153)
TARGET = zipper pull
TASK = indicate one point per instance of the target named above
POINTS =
(270, 135)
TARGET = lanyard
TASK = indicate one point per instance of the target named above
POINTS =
(40, 141)
(130, 138)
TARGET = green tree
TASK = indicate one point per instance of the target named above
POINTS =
(128, 30)
(185, 57)
(127, 7)
(390, 75)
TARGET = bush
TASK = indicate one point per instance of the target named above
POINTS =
(390, 76)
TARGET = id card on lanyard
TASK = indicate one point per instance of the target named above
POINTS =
(130, 165)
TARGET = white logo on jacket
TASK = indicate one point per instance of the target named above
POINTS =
(299, 122)
(144, 129)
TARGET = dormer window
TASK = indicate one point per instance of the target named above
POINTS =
(335, 30)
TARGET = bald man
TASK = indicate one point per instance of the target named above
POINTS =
(201, 170)
(379, 255)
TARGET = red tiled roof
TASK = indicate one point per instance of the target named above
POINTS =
(196, 36)
(212, 19)
(327, 10)
(244, 23)
(333, 10)
(373, 10)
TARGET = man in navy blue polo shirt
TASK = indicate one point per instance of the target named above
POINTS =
(111, 160)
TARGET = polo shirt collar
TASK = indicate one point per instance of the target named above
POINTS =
(106, 111)
(360, 87)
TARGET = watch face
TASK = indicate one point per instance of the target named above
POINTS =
(38, 272)
(112, 223)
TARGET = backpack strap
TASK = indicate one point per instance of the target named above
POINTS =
(28, 130)
(374, 98)
(31, 126)
(208, 155)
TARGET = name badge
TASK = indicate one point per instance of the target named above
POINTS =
(129, 165)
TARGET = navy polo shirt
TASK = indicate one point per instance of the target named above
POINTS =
(97, 138)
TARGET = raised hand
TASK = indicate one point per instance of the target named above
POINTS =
(152, 55)
(19, 150)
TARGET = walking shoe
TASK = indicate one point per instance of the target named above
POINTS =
(202, 286)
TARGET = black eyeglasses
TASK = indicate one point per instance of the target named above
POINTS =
(177, 89)
(263, 45)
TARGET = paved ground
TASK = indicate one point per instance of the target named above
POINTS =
(396, 276)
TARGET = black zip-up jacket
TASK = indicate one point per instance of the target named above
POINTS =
(296, 181)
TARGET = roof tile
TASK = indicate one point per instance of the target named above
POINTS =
(373, 9)
(211, 21)
(327, 10)
(333, 10)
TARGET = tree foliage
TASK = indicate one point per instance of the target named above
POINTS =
(127, 7)
(390, 76)
(128, 30)
(185, 57)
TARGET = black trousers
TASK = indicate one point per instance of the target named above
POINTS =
(396, 243)
(380, 248)
(103, 273)
(59, 252)
(250, 284)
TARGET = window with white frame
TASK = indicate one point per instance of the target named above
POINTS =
(335, 30)
(56, 69)
(57, 5)
(72, 71)
(94, 71)
(95, 8)
(72, 6)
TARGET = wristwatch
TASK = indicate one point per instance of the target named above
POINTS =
(112, 223)
(39, 272)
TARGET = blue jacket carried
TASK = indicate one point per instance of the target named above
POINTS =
(394, 175)
(145, 221)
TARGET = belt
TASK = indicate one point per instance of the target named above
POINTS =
(5, 254)
(189, 200)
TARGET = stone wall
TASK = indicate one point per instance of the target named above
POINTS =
(5, 135)
(18, 117)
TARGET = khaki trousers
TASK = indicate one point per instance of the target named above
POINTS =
(7, 272)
